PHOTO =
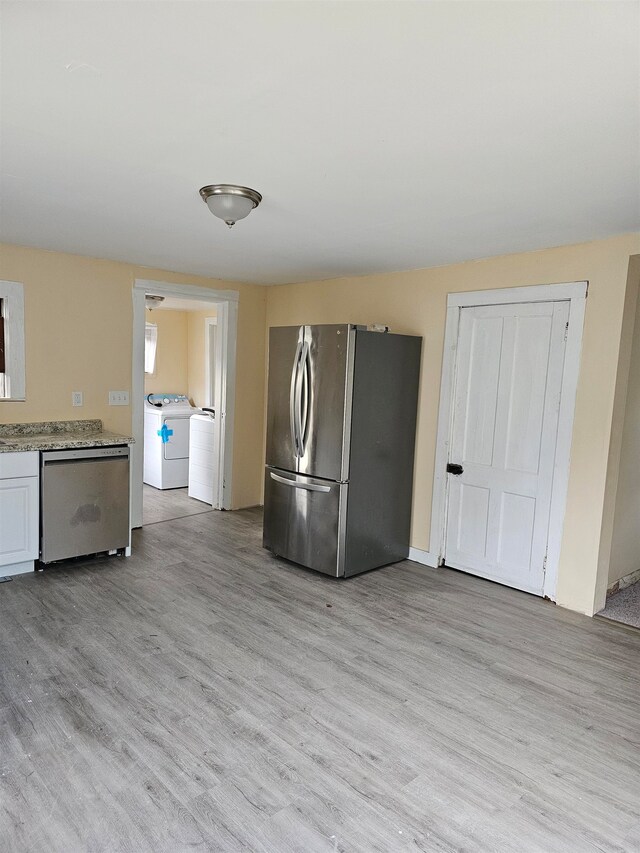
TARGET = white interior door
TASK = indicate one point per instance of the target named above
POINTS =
(509, 368)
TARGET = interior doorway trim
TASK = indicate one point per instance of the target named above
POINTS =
(210, 323)
(226, 302)
(573, 292)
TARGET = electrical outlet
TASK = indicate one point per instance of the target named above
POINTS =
(118, 398)
(77, 398)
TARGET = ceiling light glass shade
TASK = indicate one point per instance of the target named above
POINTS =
(152, 302)
(230, 202)
(230, 207)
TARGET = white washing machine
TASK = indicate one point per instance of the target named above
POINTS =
(166, 440)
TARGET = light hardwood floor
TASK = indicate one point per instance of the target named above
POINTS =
(168, 504)
(204, 695)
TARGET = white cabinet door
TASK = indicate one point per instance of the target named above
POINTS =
(507, 395)
(19, 527)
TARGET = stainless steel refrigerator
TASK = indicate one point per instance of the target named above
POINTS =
(341, 425)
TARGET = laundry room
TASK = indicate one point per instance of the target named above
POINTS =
(179, 383)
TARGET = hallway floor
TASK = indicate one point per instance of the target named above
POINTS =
(624, 606)
(168, 504)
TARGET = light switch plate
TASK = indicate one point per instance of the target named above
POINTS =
(118, 398)
(77, 398)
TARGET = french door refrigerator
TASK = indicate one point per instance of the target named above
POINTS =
(341, 425)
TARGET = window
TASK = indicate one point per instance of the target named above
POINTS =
(150, 347)
(12, 373)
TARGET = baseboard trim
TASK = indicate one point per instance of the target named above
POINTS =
(424, 557)
(12, 569)
(623, 583)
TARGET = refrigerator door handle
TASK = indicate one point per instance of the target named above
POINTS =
(297, 406)
(303, 398)
(292, 400)
(309, 487)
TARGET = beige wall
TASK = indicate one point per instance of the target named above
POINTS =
(415, 302)
(197, 353)
(79, 318)
(68, 350)
(171, 373)
(623, 557)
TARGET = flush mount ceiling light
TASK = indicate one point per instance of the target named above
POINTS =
(151, 301)
(230, 202)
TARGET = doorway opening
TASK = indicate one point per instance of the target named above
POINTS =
(618, 595)
(509, 380)
(193, 330)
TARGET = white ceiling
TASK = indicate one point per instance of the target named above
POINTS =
(382, 135)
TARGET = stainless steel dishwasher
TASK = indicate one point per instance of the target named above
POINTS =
(84, 502)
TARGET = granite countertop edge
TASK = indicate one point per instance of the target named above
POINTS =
(58, 435)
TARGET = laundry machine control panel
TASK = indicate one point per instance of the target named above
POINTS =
(159, 401)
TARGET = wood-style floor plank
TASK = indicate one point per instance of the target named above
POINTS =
(168, 504)
(204, 695)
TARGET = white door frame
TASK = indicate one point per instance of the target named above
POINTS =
(226, 302)
(573, 292)
(208, 323)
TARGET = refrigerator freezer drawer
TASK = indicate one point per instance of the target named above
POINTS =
(302, 520)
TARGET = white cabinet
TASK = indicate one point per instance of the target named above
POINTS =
(19, 512)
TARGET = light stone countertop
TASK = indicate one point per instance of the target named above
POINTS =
(57, 435)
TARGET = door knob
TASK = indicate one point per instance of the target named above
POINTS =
(452, 468)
